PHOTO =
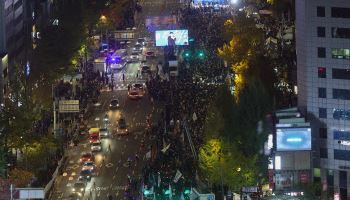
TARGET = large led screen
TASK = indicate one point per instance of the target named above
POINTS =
(171, 38)
(293, 139)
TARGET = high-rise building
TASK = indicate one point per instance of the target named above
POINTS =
(19, 28)
(323, 73)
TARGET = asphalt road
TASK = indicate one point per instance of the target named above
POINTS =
(111, 176)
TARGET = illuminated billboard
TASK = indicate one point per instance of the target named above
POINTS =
(293, 139)
(209, 2)
(171, 38)
(154, 23)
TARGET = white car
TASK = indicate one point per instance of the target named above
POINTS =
(118, 66)
(89, 166)
(104, 132)
(96, 146)
(134, 57)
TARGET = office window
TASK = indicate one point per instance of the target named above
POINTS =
(323, 153)
(321, 32)
(322, 132)
(340, 32)
(322, 113)
(338, 12)
(321, 52)
(341, 74)
(321, 12)
(341, 135)
(343, 179)
(322, 72)
(341, 154)
(342, 94)
(322, 93)
(341, 114)
(341, 53)
(330, 177)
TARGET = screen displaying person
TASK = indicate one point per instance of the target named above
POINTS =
(171, 39)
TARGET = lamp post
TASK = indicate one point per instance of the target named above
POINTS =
(103, 22)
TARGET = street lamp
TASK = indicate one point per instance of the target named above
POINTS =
(234, 1)
(103, 19)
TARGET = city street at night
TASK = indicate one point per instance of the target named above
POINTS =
(174, 99)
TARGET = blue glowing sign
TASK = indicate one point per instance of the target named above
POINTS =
(292, 139)
(171, 38)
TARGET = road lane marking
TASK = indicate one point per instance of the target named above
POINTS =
(109, 165)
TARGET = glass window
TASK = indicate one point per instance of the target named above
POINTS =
(341, 94)
(340, 32)
(323, 132)
(321, 12)
(341, 135)
(341, 53)
(330, 177)
(322, 72)
(341, 154)
(322, 112)
(343, 179)
(338, 12)
(321, 32)
(341, 74)
(323, 153)
(321, 52)
(341, 114)
(322, 93)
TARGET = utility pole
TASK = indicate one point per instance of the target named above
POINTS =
(54, 111)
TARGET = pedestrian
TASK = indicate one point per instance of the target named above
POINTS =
(123, 77)
(109, 148)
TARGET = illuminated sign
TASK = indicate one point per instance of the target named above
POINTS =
(171, 38)
(292, 139)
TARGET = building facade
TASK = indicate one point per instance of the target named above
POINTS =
(20, 22)
(323, 73)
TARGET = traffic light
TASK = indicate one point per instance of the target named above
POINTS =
(186, 55)
(146, 192)
(187, 191)
(167, 192)
(201, 54)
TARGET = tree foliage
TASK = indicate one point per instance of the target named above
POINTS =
(20, 177)
(39, 151)
(222, 163)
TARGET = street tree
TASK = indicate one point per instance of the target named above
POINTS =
(223, 164)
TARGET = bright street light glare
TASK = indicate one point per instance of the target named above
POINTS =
(234, 1)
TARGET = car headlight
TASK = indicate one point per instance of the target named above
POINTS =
(81, 189)
(110, 104)
(88, 176)
(73, 189)
(118, 105)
